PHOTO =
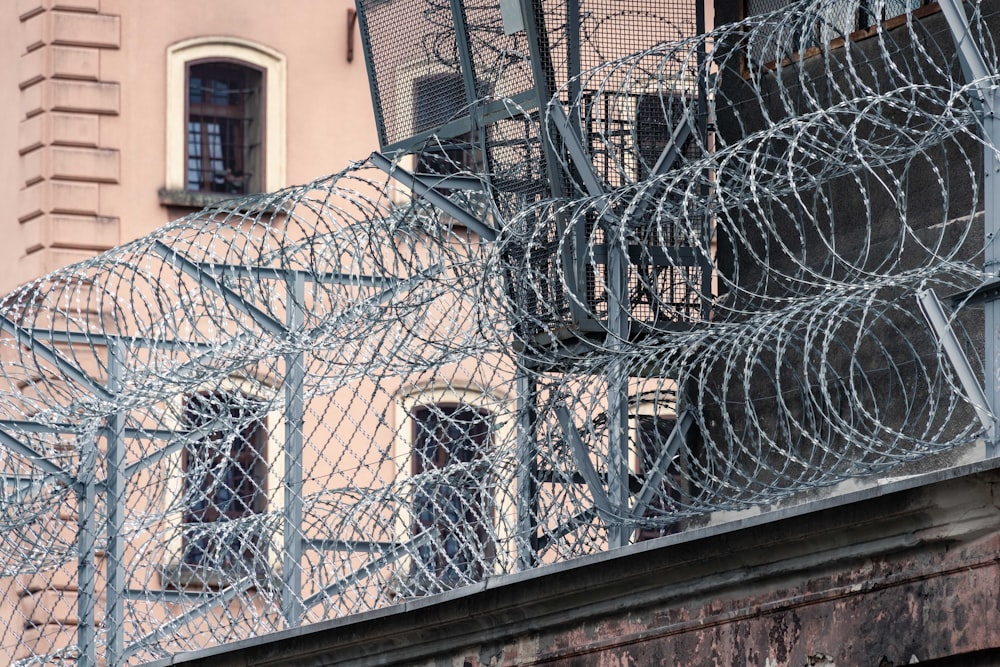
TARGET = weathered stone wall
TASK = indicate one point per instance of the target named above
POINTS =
(882, 577)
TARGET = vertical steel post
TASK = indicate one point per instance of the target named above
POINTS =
(527, 470)
(573, 61)
(115, 498)
(291, 571)
(985, 98)
(991, 254)
(618, 333)
(86, 596)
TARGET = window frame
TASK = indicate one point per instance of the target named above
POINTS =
(437, 563)
(205, 451)
(273, 68)
(174, 571)
(504, 512)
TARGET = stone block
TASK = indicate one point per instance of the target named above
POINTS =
(48, 606)
(90, 232)
(74, 62)
(32, 133)
(67, 197)
(33, 166)
(62, 129)
(32, 99)
(84, 164)
(57, 197)
(44, 639)
(75, 5)
(66, 62)
(57, 258)
(32, 201)
(68, 129)
(85, 96)
(34, 32)
(70, 28)
(31, 68)
(78, 29)
(28, 8)
(34, 234)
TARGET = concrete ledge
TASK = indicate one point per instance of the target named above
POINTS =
(659, 593)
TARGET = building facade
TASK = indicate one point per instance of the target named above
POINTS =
(122, 116)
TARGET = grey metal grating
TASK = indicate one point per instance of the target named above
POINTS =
(410, 44)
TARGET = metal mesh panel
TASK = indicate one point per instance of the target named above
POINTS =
(411, 44)
(826, 23)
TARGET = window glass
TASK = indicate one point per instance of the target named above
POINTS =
(225, 479)
(451, 503)
(224, 128)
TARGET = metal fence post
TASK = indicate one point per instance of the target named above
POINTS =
(527, 470)
(984, 96)
(618, 326)
(291, 572)
(86, 597)
(115, 494)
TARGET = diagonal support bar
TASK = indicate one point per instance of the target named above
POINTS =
(367, 569)
(196, 271)
(428, 192)
(15, 445)
(582, 457)
(973, 63)
(663, 163)
(938, 321)
(654, 480)
(63, 365)
(223, 597)
(583, 164)
(274, 273)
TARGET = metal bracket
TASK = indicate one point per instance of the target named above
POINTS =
(426, 190)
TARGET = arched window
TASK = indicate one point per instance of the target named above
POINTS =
(452, 505)
(458, 509)
(225, 480)
(225, 119)
(224, 473)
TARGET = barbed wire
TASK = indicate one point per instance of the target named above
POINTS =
(334, 398)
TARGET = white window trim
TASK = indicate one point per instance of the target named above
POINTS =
(274, 456)
(271, 62)
(497, 405)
